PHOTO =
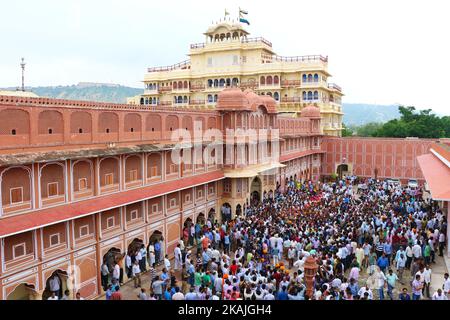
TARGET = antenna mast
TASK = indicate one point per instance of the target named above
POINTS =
(22, 65)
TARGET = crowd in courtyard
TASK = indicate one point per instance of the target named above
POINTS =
(370, 240)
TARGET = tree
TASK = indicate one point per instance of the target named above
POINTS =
(346, 132)
(413, 123)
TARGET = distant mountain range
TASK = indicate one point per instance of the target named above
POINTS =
(354, 113)
(104, 92)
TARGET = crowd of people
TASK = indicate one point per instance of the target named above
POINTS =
(370, 240)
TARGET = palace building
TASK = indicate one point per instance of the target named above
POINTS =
(230, 58)
(81, 181)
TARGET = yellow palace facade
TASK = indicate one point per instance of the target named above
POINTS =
(230, 58)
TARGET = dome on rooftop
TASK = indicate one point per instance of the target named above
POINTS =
(310, 112)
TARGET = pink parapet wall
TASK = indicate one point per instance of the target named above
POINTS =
(387, 157)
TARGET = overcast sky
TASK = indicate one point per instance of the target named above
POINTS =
(383, 51)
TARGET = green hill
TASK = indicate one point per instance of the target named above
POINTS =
(87, 91)
(355, 114)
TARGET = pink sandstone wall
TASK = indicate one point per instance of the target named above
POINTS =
(393, 158)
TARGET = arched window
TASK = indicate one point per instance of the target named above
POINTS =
(304, 95)
(215, 98)
(185, 84)
(222, 83)
(309, 77)
(235, 81)
(13, 132)
(185, 99)
(142, 100)
(180, 85)
(310, 95)
(276, 96)
(304, 78)
(210, 83)
(316, 95)
(262, 81)
(210, 98)
(316, 77)
(276, 80)
(174, 85)
(154, 100)
(180, 99)
(228, 82)
(146, 100)
(269, 80)
(216, 83)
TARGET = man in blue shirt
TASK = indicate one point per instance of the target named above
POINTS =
(282, 295)
(388, 251)
(404, 295)
(157, 246)
(383, 262)
(354, 288)
(205, 259)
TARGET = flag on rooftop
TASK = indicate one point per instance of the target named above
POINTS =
(241, 16)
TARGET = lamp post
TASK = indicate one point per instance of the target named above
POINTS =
(310, 272)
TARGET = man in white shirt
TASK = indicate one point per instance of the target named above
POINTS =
(136, 272)
(365, 289)
(116, 272)
(55, 285)
(167, 262)
(427, 281)
(439, 295)
(178, 295)
(417, 251)
(178, 257)
(446, 285)
(53, 297)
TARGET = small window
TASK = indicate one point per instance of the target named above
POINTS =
(133, 175)
(200, 194)
(19, 250)
(153, 129)
(153, 171)
(107, 130)
(50, 131)
(16, 195)
(173, 168)
(13, 132)
(133, 215)
(52, 189)
(110, 222)
(109, 179)
(172, 203)
(84, 231)
(54, 240)
(155, 208)
(132, 129)
(80, 130)
(211, 190)
(187, 198)
(82, 184)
